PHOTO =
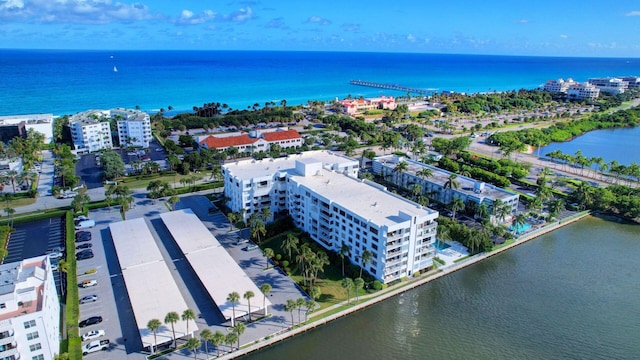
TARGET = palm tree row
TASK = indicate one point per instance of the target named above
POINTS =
(170, 319)
(613, 168)
(301, 303)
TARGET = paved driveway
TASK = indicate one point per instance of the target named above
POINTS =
(87, 168)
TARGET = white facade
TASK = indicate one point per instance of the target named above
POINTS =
(134, 127)
(558, 86)
(470, 190)
(583, 91)
(42, 123)
(29, 310)
(322, 194)
(633, 81)
(610, 85)
(90, 131)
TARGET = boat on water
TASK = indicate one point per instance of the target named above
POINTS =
(115, 69)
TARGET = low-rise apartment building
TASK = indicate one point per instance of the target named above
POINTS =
(583, 91)
(255, 141)
(610, 85)
(357, 106)
(134, 127)
(29, 311)
(321, 192)
(42, 123)
(435, 186)
(91, 131)
(558, 86)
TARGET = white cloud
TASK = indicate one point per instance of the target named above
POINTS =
(411, 38)
(73, 11)
(523, 21)
(633, 13)
(564, 36)
(188, 17)
(318, 20)
(241, 15)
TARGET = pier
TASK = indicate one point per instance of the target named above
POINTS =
(396, 87)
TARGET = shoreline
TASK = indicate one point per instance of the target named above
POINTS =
(397, 289)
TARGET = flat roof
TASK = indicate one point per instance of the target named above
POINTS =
(152, 290)
(248, 169)
(217, 270)
(362, 198)
(441, 176)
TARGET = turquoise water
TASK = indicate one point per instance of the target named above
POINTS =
(65, 82)
(520, 228)
(570, 294)
(442, 245)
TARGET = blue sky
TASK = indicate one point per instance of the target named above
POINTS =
(541, 27)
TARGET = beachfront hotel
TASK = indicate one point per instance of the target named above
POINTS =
(583, 91)
(134, 127)
(322, 194)
(610, 85)
(558, 86)
(29, 310)
(254, 141)
(42, 123)
(469, 190)
(357, 106)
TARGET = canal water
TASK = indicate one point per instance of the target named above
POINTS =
(570, 294)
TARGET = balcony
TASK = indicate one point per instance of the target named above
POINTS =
(7, 340)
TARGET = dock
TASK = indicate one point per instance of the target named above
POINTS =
(395, 87)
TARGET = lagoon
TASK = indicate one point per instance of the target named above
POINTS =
(572, 293)
(605, 143)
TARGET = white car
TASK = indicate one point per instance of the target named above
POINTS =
(81, 218)
(93, 334)
(55, 255)
(88, 283)
(85, 224)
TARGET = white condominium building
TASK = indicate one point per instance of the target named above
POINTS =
(610, 85)
(42, 123)
(134, 127)
(583, 91)
(325, 199)
(91, 131)
(29, 311)
(558, 86)
(434, 186)
(633, 81)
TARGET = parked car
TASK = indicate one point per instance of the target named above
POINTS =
(91, 321)
(54, 267)
(93, 334)
(84, 238)
(55, 255)
(84, 246)
(85, 251)
(68, 195)
(84, 256)
(80, 233)
(81, 218)
(88, 283)
(86, 224)
(56, 249)
(242, 241)
(250, 247)
(94, 346)
(88, 299)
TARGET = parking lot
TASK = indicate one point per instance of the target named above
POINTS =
(87, 168)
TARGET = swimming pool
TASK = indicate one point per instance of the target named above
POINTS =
(520, 228)
(441, 245)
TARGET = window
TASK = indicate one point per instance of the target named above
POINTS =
(29, 324)
(32, 335)
(3, 306)
(35, 347)
(38, 357)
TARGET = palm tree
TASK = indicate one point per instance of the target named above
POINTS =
(290, 306)
(451, 184)
(218, 339)
(300, 302)
(265, 289)
(416, 190)
(268, 254)
(172, 318)
(256, 227)
(310, 304)
(233, 298)
(125, 204)
(193, 344)
(456, 205)
(248, 295)
(154, 325)
(358, 284)
(233, 218)
(364, 259)
(482, 211)
(10, 211)
(186, 316)
(555, 207)
(518, 223)
(344, 251)
(400, 168)
(290, 244)
(238, 330)
(347, 283)
(424, 173)
(173, 200)
(230, 339)
(206, 335)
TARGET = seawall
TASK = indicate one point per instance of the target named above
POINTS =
(397, 289)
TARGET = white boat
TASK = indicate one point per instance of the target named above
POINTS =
(115, 69)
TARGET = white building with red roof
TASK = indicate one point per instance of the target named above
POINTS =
(255, 141)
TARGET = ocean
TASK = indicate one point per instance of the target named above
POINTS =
(65, 82)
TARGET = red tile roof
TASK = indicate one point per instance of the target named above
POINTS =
(224, 142)
(281, 135)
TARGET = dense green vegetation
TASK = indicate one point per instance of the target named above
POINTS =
(112, 164)
(496, 102)
(619, 200)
